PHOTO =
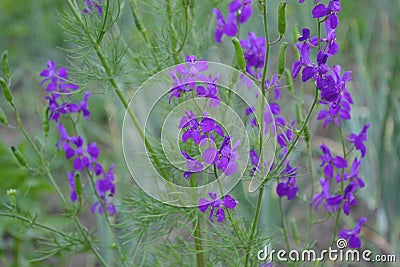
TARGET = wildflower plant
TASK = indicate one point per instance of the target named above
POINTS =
(204, 142)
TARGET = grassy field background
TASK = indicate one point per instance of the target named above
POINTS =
(369, 46)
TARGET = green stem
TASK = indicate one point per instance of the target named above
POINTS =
(29, 221)
(261, 190)
(310, 208)
(197, 233)
(284, 227)
(140, 25)
(186, 10)
(89, 242)
(172, 32)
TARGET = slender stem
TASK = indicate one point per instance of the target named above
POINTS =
(140, 25)
(310, 208)
(197, 232)
(261, 190)
(27, 220)
(89, 242)
(119, 93)
(186, 10)
(254, 226)
(198, 244)
(172, 32)
(103, 26)
(284, 227)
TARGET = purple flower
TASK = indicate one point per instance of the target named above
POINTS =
(289, 187)
(353, 175)
(216, 203)
(186, 75)
(81, 107)
(305, 35)
(331, 10)
(274, 83)
(254, 159)
(192, 69)
(348, 197)
(83, 157)
(360, 139)
(254, 53)
(229, 27)
(211, 91)
(246, 9)
(64, 137)
(336, 111)
(71, 181)
(56, 79)
(352, 235)
(331, 203)
(304, 51)
(91, 5)
(329, 162)
(225, 158)
(286, 137)
(198, 129)
(192, 165)
(110, 207)
(105, 185)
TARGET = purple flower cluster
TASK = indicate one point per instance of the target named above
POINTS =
(352, 179)
(329, 80)
(216, 204)
(199, 129)
(239, 12)
(91, 5)
(225, 157)
(84, 156)
(186, 76)
(352, 235)
(57, 86)
(202, 131)
(254, 54)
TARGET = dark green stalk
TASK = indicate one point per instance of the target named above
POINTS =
(264, 75)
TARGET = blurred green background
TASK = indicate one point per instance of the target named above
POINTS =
(369, 46)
